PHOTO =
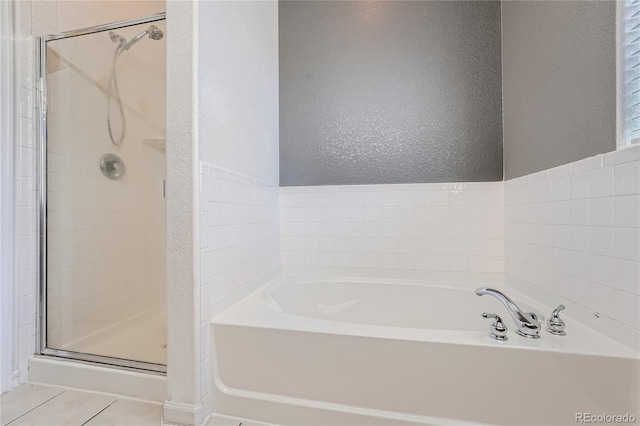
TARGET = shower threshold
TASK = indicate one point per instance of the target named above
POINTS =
(55, 371)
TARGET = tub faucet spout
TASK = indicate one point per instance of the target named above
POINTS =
(527, 322)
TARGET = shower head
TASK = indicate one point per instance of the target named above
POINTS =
(153, 32)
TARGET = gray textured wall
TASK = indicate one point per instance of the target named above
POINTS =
(559, 82)
(389, 92)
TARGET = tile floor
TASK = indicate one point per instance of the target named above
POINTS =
(38, 405)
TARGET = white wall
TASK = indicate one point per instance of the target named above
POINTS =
(574, 231)
(39, 18)
(238, 148)
(184, 402)
(239, 87)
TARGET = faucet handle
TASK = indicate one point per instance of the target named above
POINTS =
(498, 329)
(555, 324)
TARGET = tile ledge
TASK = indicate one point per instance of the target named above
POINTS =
(586, 164)
(622, 155)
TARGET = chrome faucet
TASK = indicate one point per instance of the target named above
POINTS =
(527, 322)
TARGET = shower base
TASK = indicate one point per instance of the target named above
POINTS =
(142, 337)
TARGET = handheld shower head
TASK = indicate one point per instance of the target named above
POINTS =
(153, 32)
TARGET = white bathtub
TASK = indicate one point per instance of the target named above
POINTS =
(343, 352)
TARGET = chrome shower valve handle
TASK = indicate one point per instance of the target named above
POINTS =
(555, 324)
(498, 328)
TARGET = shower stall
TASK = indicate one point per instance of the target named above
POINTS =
(102, 206)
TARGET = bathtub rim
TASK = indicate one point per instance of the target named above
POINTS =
(252, 311)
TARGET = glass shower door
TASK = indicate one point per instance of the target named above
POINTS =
(103, 130)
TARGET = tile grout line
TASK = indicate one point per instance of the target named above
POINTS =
(96, 414)
(37, 406)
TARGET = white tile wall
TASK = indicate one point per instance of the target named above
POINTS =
(438, 227)
(25, 194)
(574, 230)
(239, 241)
(239, 230)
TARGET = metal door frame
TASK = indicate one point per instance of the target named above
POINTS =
(41, 135)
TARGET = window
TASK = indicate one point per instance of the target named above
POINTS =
(628, 72)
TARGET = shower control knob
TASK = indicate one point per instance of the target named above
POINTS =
(555, 324)
(498, 329)
(112, 166)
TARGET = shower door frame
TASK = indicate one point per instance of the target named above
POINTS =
(41, 135)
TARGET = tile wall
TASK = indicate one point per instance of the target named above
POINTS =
(574, 230)
(239, 241)
(436, 227)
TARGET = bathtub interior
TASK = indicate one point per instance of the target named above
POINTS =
(378, 303)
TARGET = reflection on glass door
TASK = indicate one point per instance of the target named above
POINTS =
(105, 205)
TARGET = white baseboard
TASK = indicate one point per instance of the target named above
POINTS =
(177, 413)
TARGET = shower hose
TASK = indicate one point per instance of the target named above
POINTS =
(111, 91)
